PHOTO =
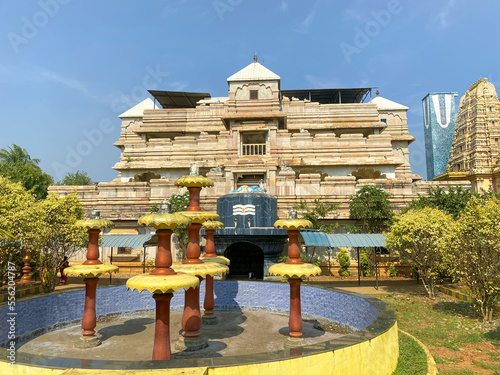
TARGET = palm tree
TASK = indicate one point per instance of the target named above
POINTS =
(15, 154)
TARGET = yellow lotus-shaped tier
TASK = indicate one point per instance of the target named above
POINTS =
(217, 259)
(90, 271)
(293, 224)
(212, 225)
(295, 270)
(162, 284)
(199, 217)
(202, 269)
(194, 181)
(164, 221)
(95, 223)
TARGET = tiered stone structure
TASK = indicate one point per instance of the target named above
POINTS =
(304, 144)
(475, 150)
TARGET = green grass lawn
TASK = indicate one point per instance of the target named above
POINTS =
(412, 358)
(459, 342)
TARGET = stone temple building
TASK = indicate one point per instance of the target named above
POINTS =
(475, 150)
(301, 143)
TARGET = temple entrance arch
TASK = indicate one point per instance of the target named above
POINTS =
(245, 258)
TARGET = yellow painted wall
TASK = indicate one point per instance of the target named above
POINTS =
(375, 357)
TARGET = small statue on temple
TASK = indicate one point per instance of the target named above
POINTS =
(194, 170)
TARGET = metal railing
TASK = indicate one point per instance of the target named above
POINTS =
(253, 149)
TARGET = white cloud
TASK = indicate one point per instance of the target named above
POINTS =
(68, 82)
(73, 84)
(441, 19)
(283, 6)
(303, 26)
(351, 14)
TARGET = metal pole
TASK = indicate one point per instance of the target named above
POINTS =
(329, 262)
(110, 262)
(359, 269)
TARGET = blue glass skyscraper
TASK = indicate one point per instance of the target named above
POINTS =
(439, 125)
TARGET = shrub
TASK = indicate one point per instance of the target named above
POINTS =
(364, 263)
(344, 262)
(418, 237)
(392, 271)
(474, 252)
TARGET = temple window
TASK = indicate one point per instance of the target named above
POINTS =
(254, 143)
(254, 94)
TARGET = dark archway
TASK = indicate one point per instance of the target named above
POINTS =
(245, 257)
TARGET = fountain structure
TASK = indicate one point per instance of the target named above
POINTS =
(370, 348)
(163, 281)
(91, 270)
(294, 269)
(191, 320)
(210, 256)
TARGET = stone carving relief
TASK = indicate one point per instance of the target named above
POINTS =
(146, 176)
(218, 169)
(368, 173)
(285, 168)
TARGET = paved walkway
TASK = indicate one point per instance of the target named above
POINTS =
(369, 287)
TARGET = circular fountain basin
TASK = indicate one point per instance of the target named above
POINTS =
(371, 349)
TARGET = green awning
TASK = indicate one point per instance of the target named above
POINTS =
(125, 240)
(317, 238)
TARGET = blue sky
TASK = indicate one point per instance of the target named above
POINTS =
(68, 68)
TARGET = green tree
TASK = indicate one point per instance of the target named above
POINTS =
(418, 237)
(47, 226)
(19, 216)
(76, 179)
(15, 154)
(59, 235)
(474, 252)
(179, 203)
(452, 202)
(316, 214)
(6, 236)
(17, 165)
(371, 205)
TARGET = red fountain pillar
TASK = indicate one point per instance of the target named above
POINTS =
(90, 270)
(191, 319)
(209, 303)
(163, 281)
(294, 269)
